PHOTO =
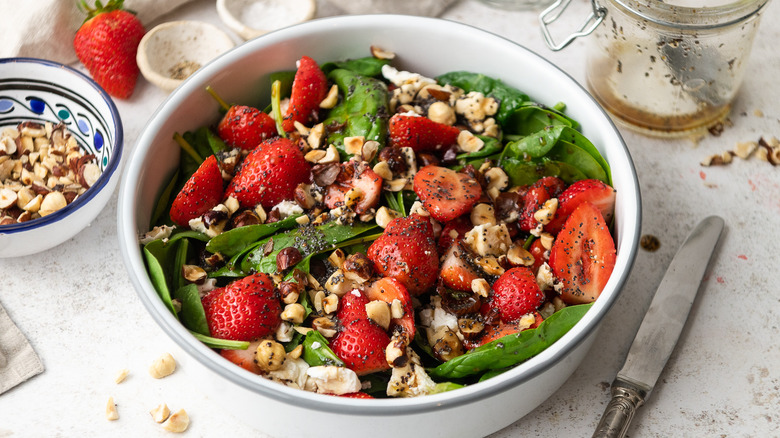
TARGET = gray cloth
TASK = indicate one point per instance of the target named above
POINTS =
(18, 361)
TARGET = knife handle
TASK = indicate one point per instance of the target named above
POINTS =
(626, 398)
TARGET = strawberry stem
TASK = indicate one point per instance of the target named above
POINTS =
(276, 93)
(216, 97)
(99, 8)
(187, 147)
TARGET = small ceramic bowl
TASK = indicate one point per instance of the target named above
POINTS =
(171, 52)
(252, 18)
(43, 91)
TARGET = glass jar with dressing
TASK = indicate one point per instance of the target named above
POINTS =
(665, 68)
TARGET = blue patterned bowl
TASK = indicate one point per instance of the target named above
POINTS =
(43, 91)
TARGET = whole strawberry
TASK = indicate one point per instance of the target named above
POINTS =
(107, 43)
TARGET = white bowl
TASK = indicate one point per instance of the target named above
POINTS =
(45, 91)
(252, 18)
(172, 51)
(476, 410)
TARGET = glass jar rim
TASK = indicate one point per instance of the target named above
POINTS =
(698, 18)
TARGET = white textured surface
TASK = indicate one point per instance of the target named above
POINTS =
(77, 307)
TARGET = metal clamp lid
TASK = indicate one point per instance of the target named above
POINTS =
(555, 10)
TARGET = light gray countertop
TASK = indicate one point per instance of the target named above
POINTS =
(81, 314)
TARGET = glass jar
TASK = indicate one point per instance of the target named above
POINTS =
(668, 68)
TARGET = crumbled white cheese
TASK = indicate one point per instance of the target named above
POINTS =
(400, 78)
(410, 380)
(329, 379)
(488, 239)
(161, 232)
(288, 208)
(292, 373)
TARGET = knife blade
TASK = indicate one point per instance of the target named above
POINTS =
(660, 328)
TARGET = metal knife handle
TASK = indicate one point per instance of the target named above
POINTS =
(626, 398)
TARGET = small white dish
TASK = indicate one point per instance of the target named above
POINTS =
(252, 18)
(172, 51)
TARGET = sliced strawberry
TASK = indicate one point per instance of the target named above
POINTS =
(200, 193)
(361, 345)
(244, 310)
(446, 194)
(358, 175)
(310, 86)
(421, 133)
(587, 190)
(539, 192)
(356, 395)
(352, 306)
(389, 289)
(538, 251)
(406, 251)
(456, 271)
(246, 127)
(583, 255)
(516, 293)
(244, 358)
(453, 232)
(269, 174)
(499, 330)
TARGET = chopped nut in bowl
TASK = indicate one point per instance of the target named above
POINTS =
(60, 148)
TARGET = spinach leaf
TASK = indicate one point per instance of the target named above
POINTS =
(491, 147)
(364, 111)
(368, 66)
(180, 259)
(162, 208)
(178, 234)
(446, 386)
(307, 239)
(159, 261)
(521, 172)
(192, 314)
(316, 351)
(234, 241)
(511, 349)
(532, 117)
(222, 344)
(215, 143)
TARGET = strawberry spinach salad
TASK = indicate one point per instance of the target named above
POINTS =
(372, 232)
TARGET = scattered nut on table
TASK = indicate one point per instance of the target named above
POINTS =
(121, 375)
(162, 366)
(111, 413)
(160, 413)
(178, 422)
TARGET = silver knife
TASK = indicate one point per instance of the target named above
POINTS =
(660, 328)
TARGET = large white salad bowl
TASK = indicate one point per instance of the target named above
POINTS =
(424, 45)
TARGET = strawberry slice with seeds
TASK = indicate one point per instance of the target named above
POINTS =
(421, 133)
(388, 290)
(244, 310)
(246, 127)
(352, 306)
(269, 174)
(538, 193)
(358, 175)
(406, 251)
(516, 293)
(201, 193)
(244, 358)
(361, 345)
(446, 194)
(456, 272)
(583, 255)
(587, 190)
(310, 87)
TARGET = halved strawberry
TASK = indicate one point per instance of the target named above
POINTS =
(358, 175)
(421, 133)
(244, 358)
(538, 193)
(389, 289)
(200, 193)
(499, 330)
(456, 272)
(406, 251)
(516, 293)
(583, 255)
(361, 345)
(453, 232)
(244, 310)
(591, 190)
(310, 86)
(537, 250)
(356, 395)
(269, 174)
(246, 127)
(446, 194)
(352, 306)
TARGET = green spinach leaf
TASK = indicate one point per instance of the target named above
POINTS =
(192, 314)
(234, 241)
(316, 351)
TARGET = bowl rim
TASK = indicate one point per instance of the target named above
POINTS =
(105, 175)
(133, 258)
